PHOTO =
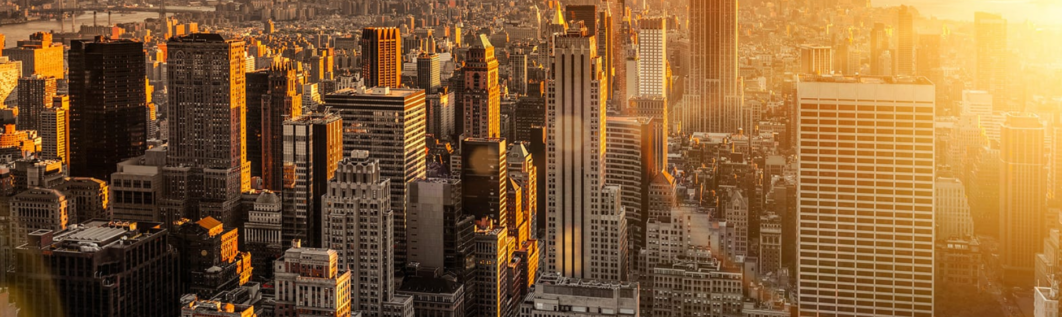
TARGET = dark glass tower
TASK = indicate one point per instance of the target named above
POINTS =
(108, 105)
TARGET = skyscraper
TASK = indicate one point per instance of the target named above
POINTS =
(381, 57)
(879, 46)
(816, 60)
(39, 55)
(34, 95)
(485, 179)
(631, 165)
(211, 261)
(990, 35)
(576, 166)
(358, 226)
(713, 87)
(55, 130)
(282, 102)
(851, 199)
(313, 147)
(205, 163)
(652, 53)
(108, 105)
(429, 70)
(1021, 196)
(905, 43)
(390, 125)
(480, 95)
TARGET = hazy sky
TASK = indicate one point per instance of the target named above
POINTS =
(1015, 11)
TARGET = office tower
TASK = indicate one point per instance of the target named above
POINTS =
(429, 70)
(492, 259)
(990, 36)
(652, 57)
(306, 273)
(108, 105)
(833, 215)
(210, 260)
(39, 55)
(518, 72)
(34, 95)
(283, 102)
(654, 108)
(485, 179)
(381, 57)
(953, 210)
(576, 166)
(313, 145)
(79, 269)
(1022, 190)
(713, 66)
(879, 47)
(440, 233)
(479, 96)
(555, 293)
(736, 213)
(677, 289)
(18, 144)
(816, 60)
(441, 114)
(905, 43)
(662, 196)
(136, 189)
(389, 123)
(55, 130)
(435, 296)
(206, 168)
(40, 208)
(606, 48)
(10, 73)
(91, 197)
(629, 160)
(262, 232)
(256, 88)
(770, 244)
(530, 114)
(523, 172)
(359, 226)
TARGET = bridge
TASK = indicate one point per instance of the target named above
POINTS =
(112, 8)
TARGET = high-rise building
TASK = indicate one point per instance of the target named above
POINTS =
(108, 105)
(879, 47)
(91, 197)
(35, 93)
(518, 72)
(841, 208)
(953, 210)
(429, 71)
(136, 189)
(630, 163)
(40, 208)
(262, 233)
(211, 261)
(485, 179)
(381, 57)
(310, 282)
(313, 145)
(115, 268)
(282, 102)
(390, 125)
(652, 61)
(55, 130)
(990, 36)
(40, 55)
(440, 233)
(1022, 188)
(256, 87)
(523, 171)
(10, 73)
(206, 168)
(479, 97)
(359, 226)
(654, 108)
(816, 60)
(492, 270)
(576, 165)
(905, 42)
(713, 90)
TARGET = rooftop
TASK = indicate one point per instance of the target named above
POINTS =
(858, 79)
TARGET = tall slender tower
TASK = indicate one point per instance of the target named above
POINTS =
(652, 53)
(714, 96)
(35, 93)
(313, 147)
(577, 193)
(1021, 196)
(990, 34)
(282, 102)
(381, 57)
(108, 105)
(853, 201)
(480, 95)
(206, 169)
(905, 48)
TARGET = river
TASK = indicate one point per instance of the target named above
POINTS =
(15, 32)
